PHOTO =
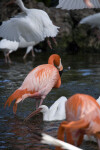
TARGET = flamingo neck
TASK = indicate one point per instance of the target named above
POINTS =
(52, 59)
(21, 5)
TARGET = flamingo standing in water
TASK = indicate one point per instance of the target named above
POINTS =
(39, 82)
(78, 4)
(83, 117)
(29, 27)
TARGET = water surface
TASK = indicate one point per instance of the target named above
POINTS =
(83, 77)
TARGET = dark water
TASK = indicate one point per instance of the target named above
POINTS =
(83, 77)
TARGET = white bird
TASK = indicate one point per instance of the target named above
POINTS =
(92, 20)
(10, 46)
(29, 27)
(78, 4)
(55, 112)
(49, 140)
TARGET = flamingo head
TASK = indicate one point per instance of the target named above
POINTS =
(55, 59)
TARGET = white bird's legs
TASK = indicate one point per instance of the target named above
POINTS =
(54, 40)
(49, 43)
(7, 58)
(29, 48)
(33, 54)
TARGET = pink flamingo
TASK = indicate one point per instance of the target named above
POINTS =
(39, 82)
(83, 117)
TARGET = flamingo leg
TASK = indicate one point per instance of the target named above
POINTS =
(69, 137)
(98, 143)
(49, 43)
(41, 101)
(80, 139)
(37, 104)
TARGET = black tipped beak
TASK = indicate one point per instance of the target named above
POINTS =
(60, 72)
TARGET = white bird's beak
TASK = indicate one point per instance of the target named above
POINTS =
(11, 2)
(33, 114)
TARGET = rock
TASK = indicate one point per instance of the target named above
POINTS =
(71, 36)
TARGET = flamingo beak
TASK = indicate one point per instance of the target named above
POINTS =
(33, 114)
(60, 68)
(60, 72)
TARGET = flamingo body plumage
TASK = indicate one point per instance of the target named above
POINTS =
(39, 82)
(82, 117)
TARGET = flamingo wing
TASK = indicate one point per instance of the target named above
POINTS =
(41, 79)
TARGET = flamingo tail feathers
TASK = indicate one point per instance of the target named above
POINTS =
(17, 95)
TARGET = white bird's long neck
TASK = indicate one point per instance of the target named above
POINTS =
(21, 5)
(45, 116)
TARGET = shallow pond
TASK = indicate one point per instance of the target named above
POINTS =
(82, 77)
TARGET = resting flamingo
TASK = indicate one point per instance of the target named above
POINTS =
(39, 82)
(78, 4)
(82, 117)
(29, 27)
